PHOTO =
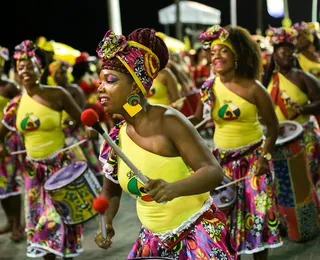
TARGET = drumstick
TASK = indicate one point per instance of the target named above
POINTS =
(33, 148)
(90, 118)
(230, 183)
(71, 146)
(201, 123)
(180, 100)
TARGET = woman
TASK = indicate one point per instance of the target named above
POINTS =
(296, 96)
(235, 98)
(11, 165)
(308, 47)
(165, 146)
(60, 75)
(37, 115)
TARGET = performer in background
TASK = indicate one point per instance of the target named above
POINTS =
(37, 115)
(11, 165)
(296, 96)
(234, 98)
(167, 149)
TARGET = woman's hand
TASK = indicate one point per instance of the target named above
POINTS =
(160, 190)
(102, 242)
(262, 167)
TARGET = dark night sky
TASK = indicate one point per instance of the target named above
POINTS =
(82, 23)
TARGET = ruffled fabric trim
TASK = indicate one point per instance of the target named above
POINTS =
(186, 224)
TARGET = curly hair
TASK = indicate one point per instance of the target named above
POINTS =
(248, 53)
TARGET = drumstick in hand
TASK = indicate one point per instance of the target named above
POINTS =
(100, 204)
(90, 118)
(230, 183)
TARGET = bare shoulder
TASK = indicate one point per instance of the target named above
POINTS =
(54, 90)
(259, 88)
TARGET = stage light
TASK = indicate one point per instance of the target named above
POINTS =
(275, 8)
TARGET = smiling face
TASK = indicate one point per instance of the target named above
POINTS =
(222, 58)
(28, 72)
(284, 56)
(114, 89)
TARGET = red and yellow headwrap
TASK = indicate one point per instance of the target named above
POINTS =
(142, 64)
(282, 35)
(4, 55)
(54, 67)
(215, 35)
(306, 30)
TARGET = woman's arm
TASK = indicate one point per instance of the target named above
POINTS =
(69, 104)
(313, 91)
(269, 118)
(195, 153)
(169, 80)
(112, 192)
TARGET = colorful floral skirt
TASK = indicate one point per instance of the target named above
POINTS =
(46, 233)
(206, 238)
(11, 167)
(254, 219)
(312, 145)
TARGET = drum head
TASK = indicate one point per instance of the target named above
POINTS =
(288, 130)
(65, 175)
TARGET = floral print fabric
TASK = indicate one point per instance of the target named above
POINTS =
(254, 218)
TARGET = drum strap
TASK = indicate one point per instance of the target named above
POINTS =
(170, 243)
(276, 97)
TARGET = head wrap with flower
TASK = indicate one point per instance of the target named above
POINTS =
(142, 64)
(215, 35)
(282, 35)
(26, 50)
(305, 29)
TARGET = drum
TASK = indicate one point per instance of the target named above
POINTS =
(72, 190)
(295, 192)
(225, 198)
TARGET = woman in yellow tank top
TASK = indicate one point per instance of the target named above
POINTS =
(296, 96)
(10, 166)
(164, 90)
(235, 98)
(37, 115)
(164, 145)
(308, 48)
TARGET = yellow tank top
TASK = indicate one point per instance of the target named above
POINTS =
(39, 125)
(158, 94)
(236, 119)
(154, 216)
(3, 103)
(290, 91)
(309, 65)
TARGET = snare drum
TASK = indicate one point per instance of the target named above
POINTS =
(295, 192)
(72, 190)
(225, 198)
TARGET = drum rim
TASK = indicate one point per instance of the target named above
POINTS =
(71, 179)
(292, 137)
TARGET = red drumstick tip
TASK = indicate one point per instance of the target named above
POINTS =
(100, 204)
(89, 117)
